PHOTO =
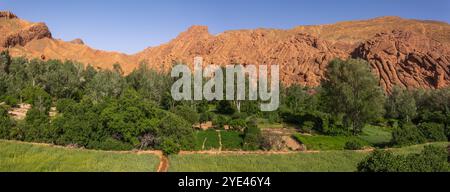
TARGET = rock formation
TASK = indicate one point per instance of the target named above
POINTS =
(402, 52)
(407, 59)
(77, 41)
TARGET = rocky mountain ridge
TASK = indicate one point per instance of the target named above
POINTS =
(401, 52)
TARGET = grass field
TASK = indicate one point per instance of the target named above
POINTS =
(324, 142)
(265, 124)
(332, 161)
(211, 142)
(231, 140)
(20, 157)
(376, 135)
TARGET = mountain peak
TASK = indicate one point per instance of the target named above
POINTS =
(195, 31)
(7, 15)
(77, 41)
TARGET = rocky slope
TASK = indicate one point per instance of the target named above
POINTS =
(407, 59)
(409, 53)
(34, 40)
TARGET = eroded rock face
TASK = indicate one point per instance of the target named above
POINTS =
(407, 59)
(403, 52)
(7, 15)
(302, 57)
(22, 37)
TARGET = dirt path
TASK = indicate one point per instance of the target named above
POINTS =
(163, 164)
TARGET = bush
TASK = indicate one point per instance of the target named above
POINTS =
(237, 124)
(62, 105)
(407, 134)
(431, 159)
(225, 107)
(380, 161)
(252, 137)
(433, 131)
(220, 121)
(6, 124)
(187, 113)
(169, 147)
(38, 97)
(177, 130)
(308, 126)
(37, 126)
(353, 145)
(11, 101)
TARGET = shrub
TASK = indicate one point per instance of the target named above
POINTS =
(433, 131)
(177, 130)
(407, 134)
(252, 137)
(38, 98)
(308, 126)
(11, 101)
(225, 107)
(220, 120)
(206, 116)
(37, 126)
(187, 113)
(353, 145)
(169, 147)
(380, 161)
(62, 105)
(237, 124)
(431, 159)
(5, 124)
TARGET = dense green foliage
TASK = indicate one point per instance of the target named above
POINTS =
(351, 91)
(105, 109)
(252, 137)
(96, 109)
(431, 159)
(5, 124)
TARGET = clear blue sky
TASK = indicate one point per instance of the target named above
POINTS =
(132, 25)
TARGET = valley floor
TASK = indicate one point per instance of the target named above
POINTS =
(19, 156)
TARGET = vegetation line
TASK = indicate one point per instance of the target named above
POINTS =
(220, 140)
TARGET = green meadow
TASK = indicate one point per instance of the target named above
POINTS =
(24, 157)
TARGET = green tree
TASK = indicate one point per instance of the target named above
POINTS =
(407, 134)
(401, 105)
(151, 84)
(178, 130)
(186, 112)
(252, 136)
(5, 61)
(37, 126)
(350, 89)
(225, 107)
(37, 97)
(6, 124)
(105, 84)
